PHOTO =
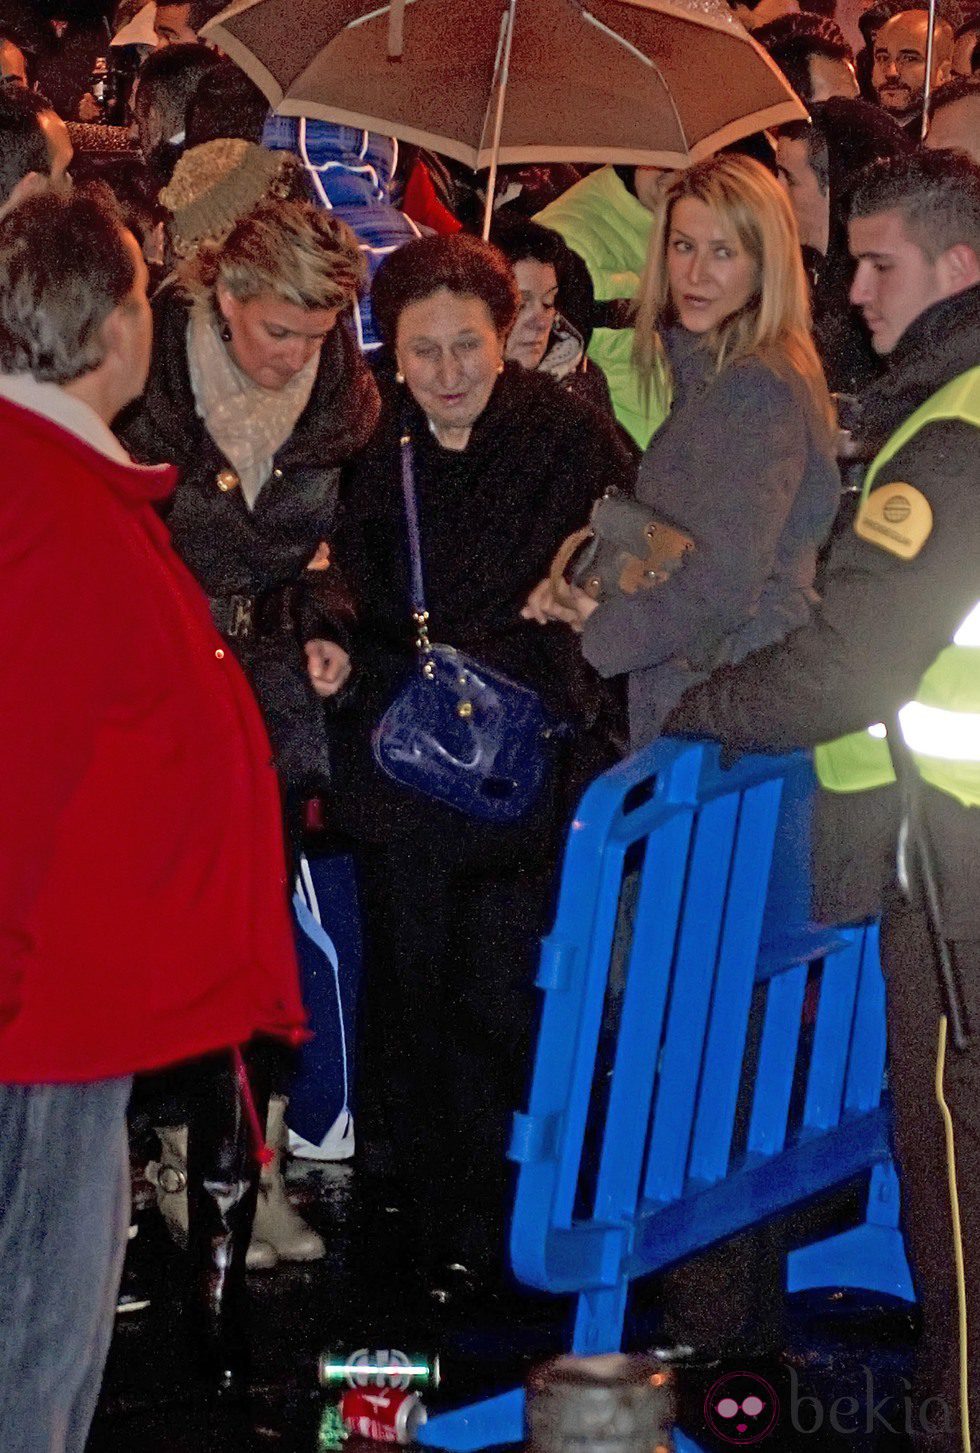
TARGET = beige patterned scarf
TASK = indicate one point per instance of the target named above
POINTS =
(248, 423)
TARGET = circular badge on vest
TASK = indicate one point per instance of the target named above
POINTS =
(896, 517)
(896, 509)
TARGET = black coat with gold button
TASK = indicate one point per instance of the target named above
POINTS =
(252, 562)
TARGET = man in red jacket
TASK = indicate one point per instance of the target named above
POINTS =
(143, 914)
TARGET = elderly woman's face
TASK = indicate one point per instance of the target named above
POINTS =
(450, 355)
(272, 340)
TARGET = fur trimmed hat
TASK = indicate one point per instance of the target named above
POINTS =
(216, 184)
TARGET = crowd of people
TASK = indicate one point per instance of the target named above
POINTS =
(258, 379)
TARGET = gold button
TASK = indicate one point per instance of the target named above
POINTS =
(219, 655)
(277, 474)
(227, 480)
(465, 710)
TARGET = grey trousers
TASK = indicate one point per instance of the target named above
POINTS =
(64, 1213)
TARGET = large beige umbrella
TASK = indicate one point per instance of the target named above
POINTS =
(648, 82)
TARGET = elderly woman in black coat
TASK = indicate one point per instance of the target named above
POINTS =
(505, 464)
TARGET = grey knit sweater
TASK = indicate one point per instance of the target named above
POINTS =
(744, 465)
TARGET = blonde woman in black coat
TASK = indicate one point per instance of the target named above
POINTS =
(258, 392)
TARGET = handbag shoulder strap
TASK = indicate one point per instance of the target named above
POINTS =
(420, 614)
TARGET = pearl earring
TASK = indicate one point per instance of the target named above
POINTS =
(500, 366)
(225, 333)
(399, 377)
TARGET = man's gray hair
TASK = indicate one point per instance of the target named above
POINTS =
(64, 267)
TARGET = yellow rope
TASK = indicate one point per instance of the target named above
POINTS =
(954, 1205)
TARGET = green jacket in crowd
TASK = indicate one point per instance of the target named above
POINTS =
(609, 229)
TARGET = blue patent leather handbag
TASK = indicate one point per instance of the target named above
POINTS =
(459, 731)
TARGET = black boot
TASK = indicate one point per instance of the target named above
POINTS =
(222, 1185)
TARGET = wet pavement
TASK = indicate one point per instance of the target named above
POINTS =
(368, 1292)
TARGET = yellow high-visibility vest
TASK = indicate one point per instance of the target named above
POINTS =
(942, 724)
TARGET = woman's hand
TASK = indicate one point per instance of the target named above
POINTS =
(543, 606)
(328, 666)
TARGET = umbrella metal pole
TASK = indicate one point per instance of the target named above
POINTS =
(930, 46)
(396, 30)
(501, 76)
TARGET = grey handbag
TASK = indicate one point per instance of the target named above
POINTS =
(624, 548)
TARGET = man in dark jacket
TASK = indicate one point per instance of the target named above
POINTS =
(165, 87)
(817, 162)
(143, 917)
(898, 625)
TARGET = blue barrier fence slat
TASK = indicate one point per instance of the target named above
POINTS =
(734, 981)
(599, 1317)
(884, 1202)
(697, 951)
(777, 1057)
(871, 1255)
(641, 1022)
(543, 1128)
(587, 1036)
(585, 1255)
(485, 1424)
(832, 1037)
(597, 842)
(866, 1065)
(666, 1234)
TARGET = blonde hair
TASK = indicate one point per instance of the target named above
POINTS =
(294, 250)
(774, 324)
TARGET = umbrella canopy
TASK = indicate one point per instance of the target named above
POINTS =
(647, 82)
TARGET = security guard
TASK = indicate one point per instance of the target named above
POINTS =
(895, 648)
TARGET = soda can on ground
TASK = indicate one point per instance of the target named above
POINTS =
(379, 1367)
(385, 1415)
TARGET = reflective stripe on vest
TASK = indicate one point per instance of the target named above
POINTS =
(951, 685)
(948, 736)
(942, 725)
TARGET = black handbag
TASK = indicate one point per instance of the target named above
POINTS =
(459, 731)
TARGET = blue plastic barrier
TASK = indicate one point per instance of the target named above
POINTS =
(321, 1090)
(679, 926)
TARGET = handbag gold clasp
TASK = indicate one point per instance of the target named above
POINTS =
(421, 619)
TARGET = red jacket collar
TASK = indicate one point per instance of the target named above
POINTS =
(133, 482)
